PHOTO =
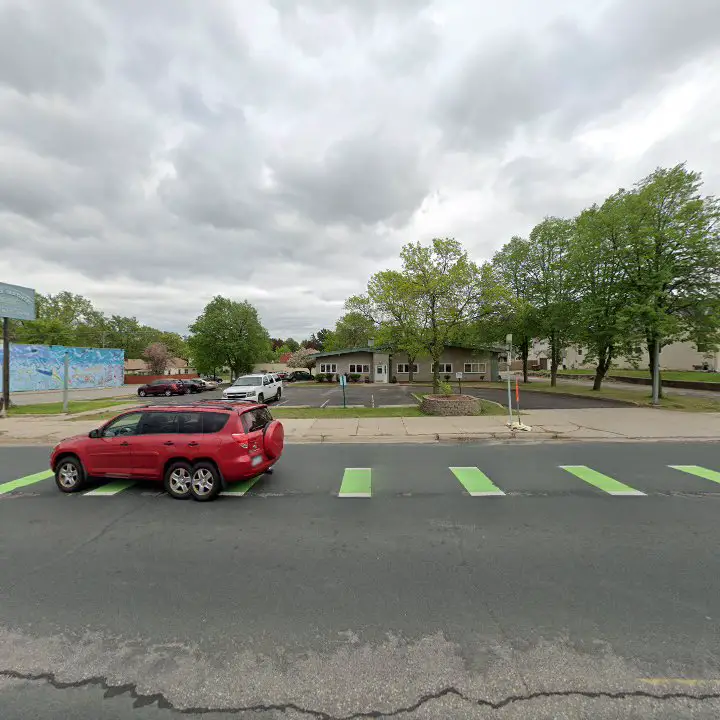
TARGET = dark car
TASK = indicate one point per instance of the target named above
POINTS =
(213, 378)
(191, 386)
(297, 375)
(195, 449)
(163, 387)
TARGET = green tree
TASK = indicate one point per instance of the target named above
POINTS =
(292, 344)
(551, 290)
(671, 256)
(352, 330)
(512, 265)
(228, 334)
(602, 323)
(437, 290)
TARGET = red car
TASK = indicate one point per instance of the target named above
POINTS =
(163, 387)
(195, 450)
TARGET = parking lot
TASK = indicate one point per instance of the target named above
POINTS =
(357, 395)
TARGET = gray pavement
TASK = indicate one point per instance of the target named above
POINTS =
(553, 601)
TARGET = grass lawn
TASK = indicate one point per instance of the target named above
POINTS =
(691, 375)
(688, 403)
(74, 406)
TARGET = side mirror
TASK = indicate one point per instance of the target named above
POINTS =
(94, 434)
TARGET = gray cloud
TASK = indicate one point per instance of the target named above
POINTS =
(155, 154)
(569, 74)
(51, 46)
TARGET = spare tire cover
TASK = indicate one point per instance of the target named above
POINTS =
(274, 439)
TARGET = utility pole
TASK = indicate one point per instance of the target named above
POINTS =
(508, 340)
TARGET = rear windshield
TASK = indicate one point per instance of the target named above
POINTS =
(248, 380)
(254, 420)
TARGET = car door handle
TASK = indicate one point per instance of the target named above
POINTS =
(193, 444)
(168, 442)
(124, 444)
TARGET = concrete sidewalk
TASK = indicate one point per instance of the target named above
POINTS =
(585, 424)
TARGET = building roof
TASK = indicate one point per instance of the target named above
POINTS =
(346, 351)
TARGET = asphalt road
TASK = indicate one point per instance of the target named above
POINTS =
(326, 395)
(555, 600)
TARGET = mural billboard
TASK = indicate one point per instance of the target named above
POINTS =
(40, 367)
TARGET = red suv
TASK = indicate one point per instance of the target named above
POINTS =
(162, 387)
(196, 449)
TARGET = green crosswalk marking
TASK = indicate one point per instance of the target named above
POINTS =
(356, 483)
(702, 472)
(23, 481)
(476, 482)
(112, 488)
(239, 489)
(600, 481)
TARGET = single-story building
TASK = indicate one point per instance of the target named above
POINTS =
(381, 366)
(175, 366)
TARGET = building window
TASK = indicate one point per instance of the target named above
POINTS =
(474, 367)
(404, 368)
(359, 369)
(444, 368)
(328, 367)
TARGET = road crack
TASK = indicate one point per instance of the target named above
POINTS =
(161, 701)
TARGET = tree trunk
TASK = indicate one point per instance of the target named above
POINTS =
(524, 352)
(436, 375)
(603, 365)
(411, 374)
(554, 359)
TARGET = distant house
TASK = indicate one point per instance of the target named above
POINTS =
(176, 366)
(381, 366)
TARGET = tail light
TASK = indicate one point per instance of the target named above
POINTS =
(241, 440)
(246, 443)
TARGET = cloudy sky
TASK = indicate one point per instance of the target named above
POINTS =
(154, 153)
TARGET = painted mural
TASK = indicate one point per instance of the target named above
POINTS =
(41, 367)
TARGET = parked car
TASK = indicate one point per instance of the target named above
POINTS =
(296, 375)
(163, 387)
(192, 386)
(209, 384)
(282, 375)
(257, 388)
(196, 450)
(214, 378)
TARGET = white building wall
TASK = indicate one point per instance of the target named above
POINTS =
(677, 356)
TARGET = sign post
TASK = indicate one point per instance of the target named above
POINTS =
(343, 382)
(18, 303)
(458, 376)
(508, 340)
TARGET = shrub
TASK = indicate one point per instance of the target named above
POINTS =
(446, 388)
(330, 377)
(393, 379)
(320, 377)
(354, 377)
